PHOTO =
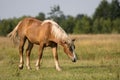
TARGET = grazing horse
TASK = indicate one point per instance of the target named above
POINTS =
(43, 33)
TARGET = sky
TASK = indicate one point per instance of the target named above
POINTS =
(18, 8)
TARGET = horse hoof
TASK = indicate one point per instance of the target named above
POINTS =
(20, 67)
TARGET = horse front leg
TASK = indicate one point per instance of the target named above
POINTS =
(28, 52)
(41, 47)
(55, 55)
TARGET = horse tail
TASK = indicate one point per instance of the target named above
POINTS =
(13, 34)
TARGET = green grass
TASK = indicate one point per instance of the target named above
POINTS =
(98, 59)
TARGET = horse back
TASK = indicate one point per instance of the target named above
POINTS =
(34, 30)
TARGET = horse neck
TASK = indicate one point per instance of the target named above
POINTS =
(63, 43)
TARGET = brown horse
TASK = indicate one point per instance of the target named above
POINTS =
(43, 33)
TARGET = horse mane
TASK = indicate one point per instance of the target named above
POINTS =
(58, 32)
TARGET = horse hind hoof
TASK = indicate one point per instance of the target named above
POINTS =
(58, 69)
(20, 67)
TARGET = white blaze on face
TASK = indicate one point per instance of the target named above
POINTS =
(73, 49)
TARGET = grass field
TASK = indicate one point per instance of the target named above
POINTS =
(98, 59)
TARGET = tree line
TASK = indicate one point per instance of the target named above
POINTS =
(106, 19)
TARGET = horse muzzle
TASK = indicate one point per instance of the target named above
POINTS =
(74, 60)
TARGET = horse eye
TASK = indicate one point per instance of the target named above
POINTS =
(74, 47)
(70, 48)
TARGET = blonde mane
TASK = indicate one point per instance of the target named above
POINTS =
(58, 32)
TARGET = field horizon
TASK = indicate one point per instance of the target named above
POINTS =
(98, 59)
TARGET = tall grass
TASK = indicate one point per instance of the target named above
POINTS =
(98, 59)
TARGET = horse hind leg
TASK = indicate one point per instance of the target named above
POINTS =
(28, 52)
(21, 49)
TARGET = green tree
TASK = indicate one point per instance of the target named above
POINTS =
(102, 26)
(116, 25)
(55, 13)
(41, 16)
(83, 25)
(79, 17)
(115, 9)
(103, 10)
(69, 24)
(96, 28)
(78, 27)
(106, 16)
(105, 25)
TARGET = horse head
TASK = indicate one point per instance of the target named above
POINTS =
(69, 49)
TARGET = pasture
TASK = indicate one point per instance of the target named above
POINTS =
(98, 59)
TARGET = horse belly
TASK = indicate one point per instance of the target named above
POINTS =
(33, 39)
(36, 38)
